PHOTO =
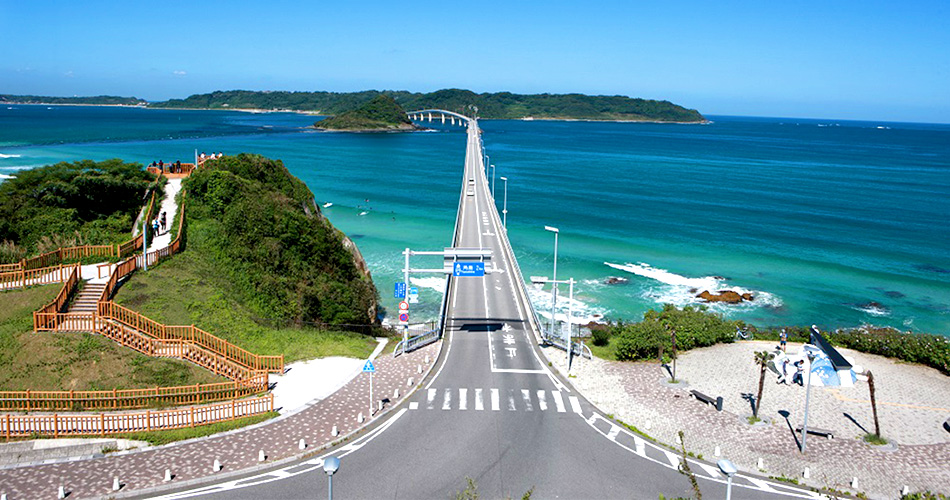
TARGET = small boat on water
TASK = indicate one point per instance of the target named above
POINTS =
(327, 205)
(363, 213)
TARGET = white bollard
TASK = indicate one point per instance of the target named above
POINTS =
(359, 418)
(904, 491)
(168, 475)
(427, 359)
(216, 466)
(335, 432)
(396, 393)
(3, 496)
(806, 474)
(409, 382)
(261, 456)
(302, 444)
(380, 406)
(62, 493)
(418, 368)
(648, 425)
(854, 483)
(115, 484)
(717, 452)
(760, 464)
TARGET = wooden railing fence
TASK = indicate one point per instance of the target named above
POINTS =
(56, 425)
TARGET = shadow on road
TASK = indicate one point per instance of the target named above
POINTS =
(785, 414)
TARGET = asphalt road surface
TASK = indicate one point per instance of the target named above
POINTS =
(493, 412)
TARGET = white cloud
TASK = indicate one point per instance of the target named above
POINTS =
(69, 74)
(179, 72)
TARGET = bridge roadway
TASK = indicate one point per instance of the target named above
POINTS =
(492, 411)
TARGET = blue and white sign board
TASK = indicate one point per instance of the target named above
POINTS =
(400, 290)
(473, 269)
(413, 295)
(368, 367)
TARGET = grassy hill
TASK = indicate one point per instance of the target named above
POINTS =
(380, 114)
(98, 100)
(500, 105)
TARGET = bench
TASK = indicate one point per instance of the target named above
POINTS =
(818, 432)
(717, 402)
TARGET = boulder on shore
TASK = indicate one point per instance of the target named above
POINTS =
(727, 296)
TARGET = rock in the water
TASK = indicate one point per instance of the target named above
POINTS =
(748, 296)
(727, 296)
(615, 280)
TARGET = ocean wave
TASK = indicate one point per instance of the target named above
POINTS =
(437, 284)
(872, 309)
(9, 156)
(682, 290)
(5, 176)
(582, 313)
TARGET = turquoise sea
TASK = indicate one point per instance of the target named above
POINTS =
(832, 222)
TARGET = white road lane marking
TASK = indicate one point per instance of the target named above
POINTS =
(612, 435)
(414, 405)
(542, 400)
(760, 484)
(674, 460)
(511, 400)
(558, 402)
(710, 470)
(430, 398)
(447, 399)
(640, 445)
(575, 405)
(479, 404)
(495, 406)
(463, 398)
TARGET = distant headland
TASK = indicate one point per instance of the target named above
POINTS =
(498, 105)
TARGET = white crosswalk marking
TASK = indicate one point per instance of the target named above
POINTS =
(430, 398)
(575, 404)
(414, 405)
(542, 400)
(672, 459)
(447, 400)
(526, 396)
(479, 404)
(494, 400)
(558, 402)
(463, 399)
(511, 400)
(760, 484)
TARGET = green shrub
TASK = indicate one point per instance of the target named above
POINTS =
(651, 337)
(600, 337)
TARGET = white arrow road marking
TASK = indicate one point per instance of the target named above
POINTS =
(479, 404)
(558, 401)
(494, 400)
(542, 400)
(463, 399)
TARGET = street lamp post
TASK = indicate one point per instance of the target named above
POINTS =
(330, 466)
(504, 211)
(493, 183)
(729, 469)
(570, 312)
(811, 359)
(554, 280)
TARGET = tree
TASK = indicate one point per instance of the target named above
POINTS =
(761, 359)
(877, 426)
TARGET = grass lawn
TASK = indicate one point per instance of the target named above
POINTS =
(156, 438)
(608, 352)
(186, 289)
(78, 361)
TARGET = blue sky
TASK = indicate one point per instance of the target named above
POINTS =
(839, 59)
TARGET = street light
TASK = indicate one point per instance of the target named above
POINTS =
(330, 466)
(504, 211)
(554, 280)
(729, 469)
(811, 359)
(570, 312)
(493, 182)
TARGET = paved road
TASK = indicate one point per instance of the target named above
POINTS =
(493, 412)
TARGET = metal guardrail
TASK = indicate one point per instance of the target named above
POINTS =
(416, 342)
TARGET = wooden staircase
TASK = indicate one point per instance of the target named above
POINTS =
(87, 300)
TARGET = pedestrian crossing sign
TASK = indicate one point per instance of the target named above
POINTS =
(368, 367)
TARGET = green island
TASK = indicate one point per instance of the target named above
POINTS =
(498, 105)
(99, 100)
(381, 114)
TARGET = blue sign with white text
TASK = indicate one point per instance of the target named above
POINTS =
(474, 269)
(400, 290)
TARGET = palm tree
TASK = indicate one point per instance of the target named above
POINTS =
(761, 359)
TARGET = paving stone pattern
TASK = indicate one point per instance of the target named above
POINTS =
(637, 394)
(236, 450)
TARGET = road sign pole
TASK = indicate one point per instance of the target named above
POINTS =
(370, 394)
(405, 330)
(570, 315)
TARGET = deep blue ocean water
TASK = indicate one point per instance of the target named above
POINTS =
(837, 223)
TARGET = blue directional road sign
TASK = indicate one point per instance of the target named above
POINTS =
(400, 290)
(368, 367)
(413, 295)
(474, 269)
